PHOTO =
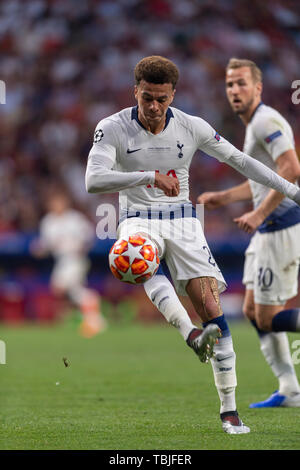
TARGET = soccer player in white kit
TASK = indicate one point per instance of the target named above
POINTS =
(144, 153)
(68, 234)
(272, 258)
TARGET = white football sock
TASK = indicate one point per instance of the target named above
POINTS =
(275, 348)
(162, 294)
(223, 365)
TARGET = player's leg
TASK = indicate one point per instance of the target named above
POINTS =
(207, 304)
(205, 299)
(276, 351)
(200, 291)
(274, 281)
(191, 265)
(278, 319)
(162, 294)
(159, 289)
(70, 273)
(186, 257)
(248, 281)
(89, 303)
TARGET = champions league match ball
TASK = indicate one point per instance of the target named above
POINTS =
(133, 259)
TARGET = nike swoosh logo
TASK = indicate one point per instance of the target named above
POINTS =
(223, 358)
(132, 151)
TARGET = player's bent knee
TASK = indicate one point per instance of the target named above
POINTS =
(264, 323)
(203, 292)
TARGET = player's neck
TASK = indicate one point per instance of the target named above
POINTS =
(153, 127)
(248, 115)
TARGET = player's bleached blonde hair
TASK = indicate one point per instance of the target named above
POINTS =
(156, 69)
(235, 63)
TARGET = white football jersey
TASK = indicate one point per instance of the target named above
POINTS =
(268, 135)
(131, 148)
(125, 157)
(69, 233)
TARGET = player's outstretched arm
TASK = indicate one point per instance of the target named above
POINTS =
(260, 173)
(216, 146)
(215, 199)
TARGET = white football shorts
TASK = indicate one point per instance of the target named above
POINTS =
(272, 265)
(181, 242)
(70, 271)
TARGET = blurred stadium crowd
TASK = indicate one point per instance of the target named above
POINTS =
(67, 64)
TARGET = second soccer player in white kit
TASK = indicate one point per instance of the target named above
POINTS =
(272, 258)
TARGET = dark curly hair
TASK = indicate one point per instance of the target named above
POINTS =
(156, 69)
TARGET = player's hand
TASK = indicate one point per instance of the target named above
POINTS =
(168, 184)
(211, 199)
(249, 221)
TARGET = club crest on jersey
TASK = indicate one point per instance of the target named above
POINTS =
(179, 145)
(98, 135)
(217, 137)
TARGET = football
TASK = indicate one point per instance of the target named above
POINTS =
(133, 259)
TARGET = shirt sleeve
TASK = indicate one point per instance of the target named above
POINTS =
(216, 146)
(100, 177)
(271, 134)
(210, 142)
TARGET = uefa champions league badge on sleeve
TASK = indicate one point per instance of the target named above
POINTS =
(98, 135)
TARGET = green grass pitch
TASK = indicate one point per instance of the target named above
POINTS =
(131, 387)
